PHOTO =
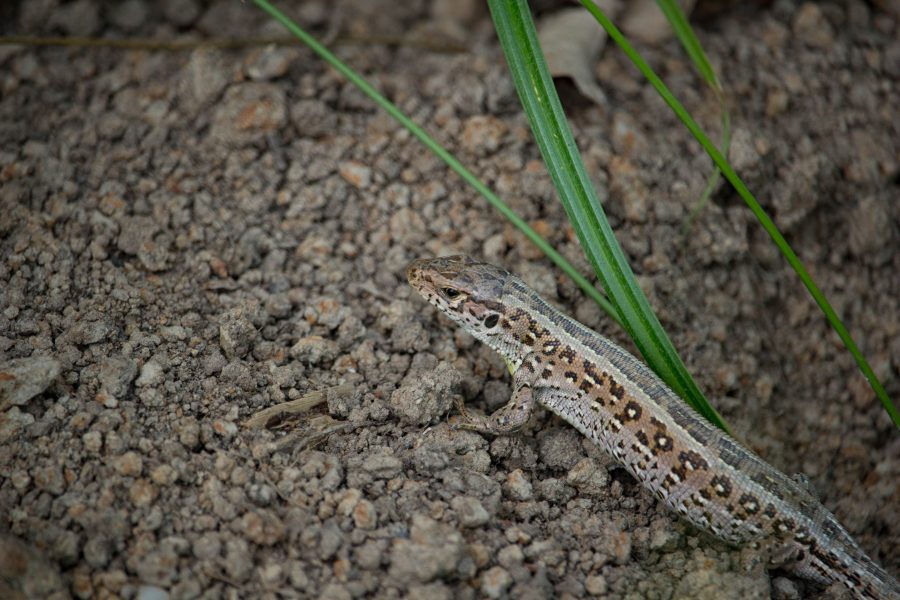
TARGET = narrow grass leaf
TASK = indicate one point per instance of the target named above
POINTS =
(689, 41)
(685, 34)
(515, 28)
(751, 202)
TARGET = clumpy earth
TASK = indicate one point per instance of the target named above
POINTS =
(192, 236)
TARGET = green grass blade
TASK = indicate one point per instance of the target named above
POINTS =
(689, 41)
(685, 34)
(442, 153)
(512, 20)
(752, 203)
(714, 178)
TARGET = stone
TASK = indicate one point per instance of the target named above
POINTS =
(425, 397)
(248, 113)
(433, 550)
(495, 581)
(470, 511)
(129, 464)
(151, 374)
(811, 26)
(517, 486)
(355, 173)
(21, 379)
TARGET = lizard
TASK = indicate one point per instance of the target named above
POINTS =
(621, 405)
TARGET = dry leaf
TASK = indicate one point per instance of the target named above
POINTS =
(571, 40)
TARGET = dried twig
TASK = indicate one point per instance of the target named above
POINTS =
(222, 43)
(273, 414)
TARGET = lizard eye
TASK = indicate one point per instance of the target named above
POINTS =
(491, 321)
(450, 293)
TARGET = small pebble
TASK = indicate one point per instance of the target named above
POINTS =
(470, 511)
(365, 515)
(24, 378)
(356, 174)
(495, 581)
(150, 592)
(129, 464)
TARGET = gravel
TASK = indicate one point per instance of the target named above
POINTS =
(190, 237)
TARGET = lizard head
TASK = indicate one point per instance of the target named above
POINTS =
(467, 291)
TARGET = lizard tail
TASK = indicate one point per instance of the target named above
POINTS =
(852, 568)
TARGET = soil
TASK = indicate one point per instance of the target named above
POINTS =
(191, 236)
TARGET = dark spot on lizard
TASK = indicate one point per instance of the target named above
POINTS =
(631, 412)
(590, 371)
(550, 346)
(782, 528)
(517, 315)
(642, 437)
(662, 443)
(567, 354)
(615, 389)
(669, 480)
(750, 503)
(832, 529)
(692, 460)
(721, 485)
(535, 329)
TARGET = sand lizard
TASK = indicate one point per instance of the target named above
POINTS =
(621, 405)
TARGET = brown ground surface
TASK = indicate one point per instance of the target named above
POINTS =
(189, 237)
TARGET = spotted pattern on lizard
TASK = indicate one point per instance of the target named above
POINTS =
(620, 404)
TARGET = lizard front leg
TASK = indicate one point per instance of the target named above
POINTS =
(513, 415)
